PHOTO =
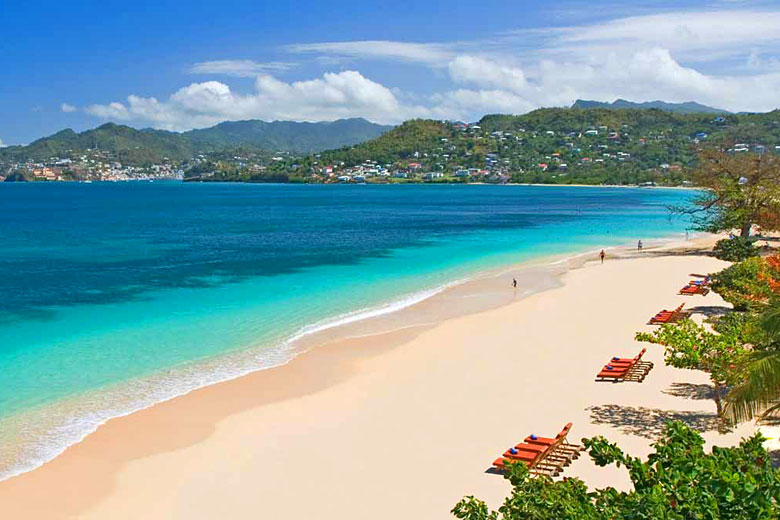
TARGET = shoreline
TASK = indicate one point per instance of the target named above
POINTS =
(172, 429)
(471, 294)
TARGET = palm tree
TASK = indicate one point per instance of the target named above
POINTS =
(759, 395)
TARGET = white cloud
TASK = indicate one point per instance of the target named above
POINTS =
(238, 68)
(690, 31)
(427, 53)
(728, 59)
(487, 73)
(67, 107)
(333, 96)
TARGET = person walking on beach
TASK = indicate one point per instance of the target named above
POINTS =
(639, 246)
(514, 283)
(602, 255)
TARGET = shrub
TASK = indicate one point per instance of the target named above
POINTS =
(735, 249)
(679, 481)
(745, 285)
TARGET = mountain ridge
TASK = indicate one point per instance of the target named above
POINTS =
(148, 144)
(687, 107)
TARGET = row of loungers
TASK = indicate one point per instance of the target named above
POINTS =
(543, 455)
(625, 369)
(549, 455)
(669, 316)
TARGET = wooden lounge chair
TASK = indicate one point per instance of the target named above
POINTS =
(558, 443)
(546, 456)
(705, 279)
(534, 460)
(694, 288)
(625, 369)
(668, 316)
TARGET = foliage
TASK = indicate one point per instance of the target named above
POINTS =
(692, 346)
(747, 284)
(758, 394)
(735, 249)
(285, 136)
(678, 481)
(515, 146)
(743, 190)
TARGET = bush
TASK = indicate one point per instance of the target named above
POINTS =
(735, 249)
(745, 285)
(679, 481)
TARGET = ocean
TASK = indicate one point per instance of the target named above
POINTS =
(115, 296)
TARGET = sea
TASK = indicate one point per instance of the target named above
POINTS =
(116, 296)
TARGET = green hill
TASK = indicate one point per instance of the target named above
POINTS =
(133, 146)
(568, 145)
(286, 136)
(128, 144)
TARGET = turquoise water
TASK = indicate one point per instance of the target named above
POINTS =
(119, 295)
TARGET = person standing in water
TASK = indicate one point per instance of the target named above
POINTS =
(514, 283)
(602, 255)
(639, 246)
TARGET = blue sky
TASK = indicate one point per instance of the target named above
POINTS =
(181, 65)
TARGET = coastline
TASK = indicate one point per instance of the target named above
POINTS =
(478, 291)
(346, 373)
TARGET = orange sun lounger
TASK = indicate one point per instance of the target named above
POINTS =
(668, 316)
(694, 288)
(625, 369)
(542, 455)
(559, 442)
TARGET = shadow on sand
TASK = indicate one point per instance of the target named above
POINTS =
(649, 422)
(710, 311)
(693, 391)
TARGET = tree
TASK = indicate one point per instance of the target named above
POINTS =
(742, 191)
(678, 481)
(689, 345)
(759, 393)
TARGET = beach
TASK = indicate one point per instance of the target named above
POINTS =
(403, 423)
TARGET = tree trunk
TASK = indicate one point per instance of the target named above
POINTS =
(745, 232)
(718, 403)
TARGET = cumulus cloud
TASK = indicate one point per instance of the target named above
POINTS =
(641, 75)
(729, 59)
(487, 73)
(239, 68)
(333, 96)
(67, 107)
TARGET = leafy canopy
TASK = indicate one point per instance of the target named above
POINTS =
(742, 191)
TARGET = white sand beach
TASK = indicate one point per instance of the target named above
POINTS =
(399, 425)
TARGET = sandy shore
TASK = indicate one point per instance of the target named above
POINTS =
(398, 425)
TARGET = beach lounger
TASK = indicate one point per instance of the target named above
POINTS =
(559, 442)
(501, 463)
(625, 369)
(536, 462)
(542, 455)
(668, 316)
(694, 288)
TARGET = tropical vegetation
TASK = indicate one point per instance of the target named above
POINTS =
(679, 480)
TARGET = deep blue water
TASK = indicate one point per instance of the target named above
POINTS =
(108, 283)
